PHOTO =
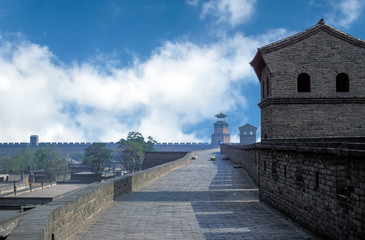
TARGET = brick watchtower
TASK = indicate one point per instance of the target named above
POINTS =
(312, 85)
(220, 134)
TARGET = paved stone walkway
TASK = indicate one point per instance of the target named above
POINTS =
(205, 200)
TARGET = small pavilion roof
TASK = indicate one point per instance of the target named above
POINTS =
(221, 115)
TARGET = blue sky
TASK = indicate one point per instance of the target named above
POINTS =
(91, 70)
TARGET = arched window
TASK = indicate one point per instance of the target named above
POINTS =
(342, 83)
(304, 83)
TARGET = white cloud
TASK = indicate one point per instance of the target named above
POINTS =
(192, 2)
(180, 84)
(233, 12)
(345, 12)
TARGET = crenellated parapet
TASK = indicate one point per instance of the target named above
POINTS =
(66, 148)
(184, 146)
(182, 143)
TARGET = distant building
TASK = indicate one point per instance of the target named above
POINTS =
(34, 140)
(312, 85)
(220, 134)
(247, 134)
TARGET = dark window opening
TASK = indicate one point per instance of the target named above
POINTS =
(267, 87)
(263, 89)
(342, 83)
(304, 83)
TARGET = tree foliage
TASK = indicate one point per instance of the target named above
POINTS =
(97, 155)
(7, 165)
(49, 159)
(133, 150)
(44, 158)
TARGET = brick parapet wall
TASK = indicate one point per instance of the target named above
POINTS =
(183, 147)
(321, 185)
(155, 158)
(64, 216)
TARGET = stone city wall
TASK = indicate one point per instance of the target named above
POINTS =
(65, 148)
(183, 147)
(64, 216)
(154, 158)
(319, 184)
(68, 148)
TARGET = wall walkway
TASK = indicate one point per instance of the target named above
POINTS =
(203, 200)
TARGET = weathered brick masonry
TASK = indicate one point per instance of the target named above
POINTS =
(332, 100)
(320, 183)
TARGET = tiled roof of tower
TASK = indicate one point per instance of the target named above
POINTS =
(321, 25)
(258, 61)
(247, 125)
(221, 115)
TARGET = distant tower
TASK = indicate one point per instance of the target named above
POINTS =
(247, 134)
(220, 134)
(34, 140)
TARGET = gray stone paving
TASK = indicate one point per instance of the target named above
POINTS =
(205, 200)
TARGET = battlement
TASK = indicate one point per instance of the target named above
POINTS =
(183, 146)
(66, 148)
(182, 143)
(15, 144)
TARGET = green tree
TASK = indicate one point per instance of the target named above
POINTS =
(21, 162)
(133, 150)
(97, 155)
(25, 160)
(7, 165)
(49, 159)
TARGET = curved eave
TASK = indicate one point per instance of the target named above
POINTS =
(258, 64)
(221, 115)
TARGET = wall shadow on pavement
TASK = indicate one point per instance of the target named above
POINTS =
(228, 209)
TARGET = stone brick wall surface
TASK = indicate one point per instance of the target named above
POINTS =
(182, 147)
(64, 216)
(154, 158)
(321, 119)
(319, 184)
